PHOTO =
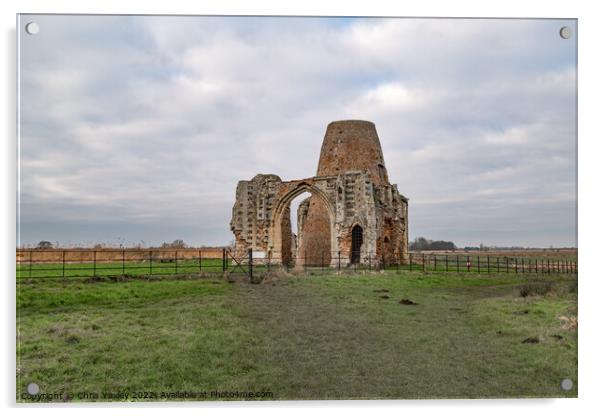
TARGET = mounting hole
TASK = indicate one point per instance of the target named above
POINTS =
(32, 28)
(566, 384)
(566, 32)
(33, 388)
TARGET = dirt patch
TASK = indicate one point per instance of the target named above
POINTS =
(569, 322)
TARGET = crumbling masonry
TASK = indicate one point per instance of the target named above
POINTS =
(353, 214)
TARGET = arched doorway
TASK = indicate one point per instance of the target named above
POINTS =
(317, 226)
(357, 238)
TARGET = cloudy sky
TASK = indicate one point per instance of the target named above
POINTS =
(137, 129)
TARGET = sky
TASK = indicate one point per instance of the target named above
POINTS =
(136, 129)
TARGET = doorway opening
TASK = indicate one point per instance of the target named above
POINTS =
(357, 238)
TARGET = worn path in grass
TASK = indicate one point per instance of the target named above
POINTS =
(349, 337)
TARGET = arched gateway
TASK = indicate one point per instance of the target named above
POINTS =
(351, 188)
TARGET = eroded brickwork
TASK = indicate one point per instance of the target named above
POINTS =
(351, 188)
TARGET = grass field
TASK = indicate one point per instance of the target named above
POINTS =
(298, 337)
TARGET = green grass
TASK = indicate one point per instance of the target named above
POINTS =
(305, 337)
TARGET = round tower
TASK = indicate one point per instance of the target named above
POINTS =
(352, 145)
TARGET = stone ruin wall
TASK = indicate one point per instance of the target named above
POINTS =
(252, 213)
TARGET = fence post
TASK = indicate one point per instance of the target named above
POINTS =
(410, 261)
(516, 265)
(63, 263)
(30, 260)
(435, 262)
(224, 259)
(250, 265)
(488, 265)
(507, 266)
(458, 263)
(446, 263)
(522, 260)
(369, 261)
(94, 270)
(200, 262)
(423, 263)
(322, 262)
(176, 255)
(339, 260)
(479, 264)
(536, 268)
(497, 263)
(383, 261)
(150, 260)
(123, 262)
(468, 263)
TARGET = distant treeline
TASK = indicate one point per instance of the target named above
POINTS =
(424, 244)
(176, 244)
(421, 243)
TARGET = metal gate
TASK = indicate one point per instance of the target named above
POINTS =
(234, 265)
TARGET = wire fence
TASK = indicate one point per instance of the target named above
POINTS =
(89, 263)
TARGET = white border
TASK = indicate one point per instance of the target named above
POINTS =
(589, 186)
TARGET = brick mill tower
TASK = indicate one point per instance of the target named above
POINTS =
(353, 213)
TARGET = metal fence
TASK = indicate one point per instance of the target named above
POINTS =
(488, 264)
(111, 263)
(135, 262)
(458, 263)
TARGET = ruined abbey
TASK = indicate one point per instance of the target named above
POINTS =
(353, 215)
